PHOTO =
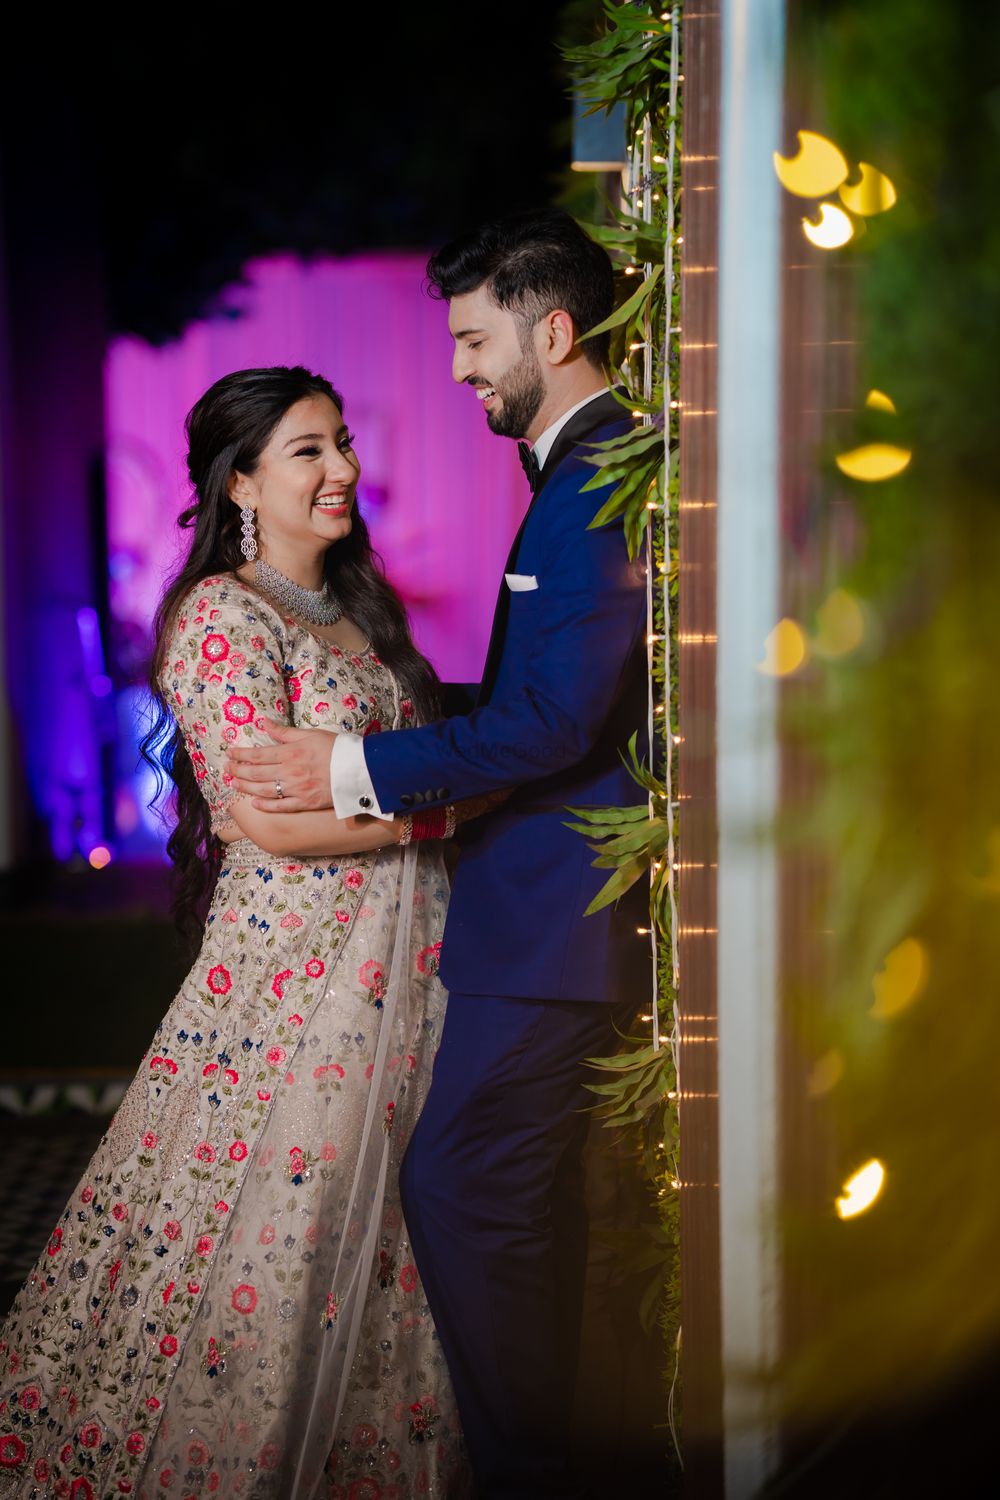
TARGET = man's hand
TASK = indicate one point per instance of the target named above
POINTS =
(299, 763)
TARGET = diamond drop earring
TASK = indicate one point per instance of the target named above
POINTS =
(248, 542)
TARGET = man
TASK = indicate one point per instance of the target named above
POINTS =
(492, 1186)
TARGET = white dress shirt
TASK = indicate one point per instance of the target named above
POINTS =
(350, 783)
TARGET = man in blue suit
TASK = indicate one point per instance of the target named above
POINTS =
(492, 1181)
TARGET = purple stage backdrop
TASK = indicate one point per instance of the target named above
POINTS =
(442, 495)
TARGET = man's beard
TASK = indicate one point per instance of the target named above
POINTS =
(522, 392)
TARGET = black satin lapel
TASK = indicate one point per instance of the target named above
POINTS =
(579, 427)
(595, 414)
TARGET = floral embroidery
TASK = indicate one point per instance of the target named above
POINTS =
(429, 959)
(238, 711)
(219, 980)
(214, 1137)
(244, 1299)
(215, 648)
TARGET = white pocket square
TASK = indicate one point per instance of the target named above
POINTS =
(517, 582)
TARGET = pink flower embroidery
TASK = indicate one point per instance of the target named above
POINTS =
(364, 1435)
(343, 916)
(328, 1151)
(31, 1398)
(194, 1288)
(408, 1278)
(222, 1207)
(295, 1019)
(322, 707)
(406, 708)
(149, 1140)
(167, 1293)
(238, 1151)
(231, 916)
(349, 700)
(374, 727)
(42, 1470)
(277, 983)
(198, 1453)
(276, 1056)
(135, 1442)
(219, 980)
(354, 879)
(269, 1456)
(113, 1273)
(120, 1211)
(172, 1229)
(266, 1236)
(291, 921)
(209, 1069)
(263, 1095)
(238, 710)
(204, 1245)
(244, 1299)
(90, 1434)
(168, 1345)
(232, 1076)
(86, 1195)
(215, 648)
(204, 1152)
(294, 686)
(315, 967)
(429, 959)
(257, 642)
(55, 1241)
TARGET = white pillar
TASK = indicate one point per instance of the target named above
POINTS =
(748, 604)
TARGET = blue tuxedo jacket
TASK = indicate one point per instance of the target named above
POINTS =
(563, 689)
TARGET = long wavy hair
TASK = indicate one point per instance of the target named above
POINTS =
(228, 430)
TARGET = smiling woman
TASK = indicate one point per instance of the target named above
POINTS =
(246, 1195)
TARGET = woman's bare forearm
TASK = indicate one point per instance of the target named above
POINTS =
(312, 833)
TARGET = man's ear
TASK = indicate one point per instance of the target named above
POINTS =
(558, 336)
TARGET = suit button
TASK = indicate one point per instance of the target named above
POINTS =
(441, 793)
(365, 801)
(429, 796)
(405, 799)
(418, 796)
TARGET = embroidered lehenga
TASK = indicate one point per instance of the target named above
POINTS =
(228, 1305)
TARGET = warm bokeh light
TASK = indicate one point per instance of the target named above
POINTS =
(879, 401)
(99, 857)
(826, 1073)
(784, 649)
(872, 195)
(861, 1190)
(833, 229)
(874, 461)
(901, 979)
(840, 624)
(818, 167)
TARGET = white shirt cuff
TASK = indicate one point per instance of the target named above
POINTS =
(350, 784)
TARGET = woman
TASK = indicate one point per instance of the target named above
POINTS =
(228, 1305)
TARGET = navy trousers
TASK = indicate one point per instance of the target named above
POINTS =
(492, 1190)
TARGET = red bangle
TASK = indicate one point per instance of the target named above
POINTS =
(429, 825)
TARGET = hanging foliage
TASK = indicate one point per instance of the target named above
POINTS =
(635, 61)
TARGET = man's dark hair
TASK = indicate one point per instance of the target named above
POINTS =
(530, 264)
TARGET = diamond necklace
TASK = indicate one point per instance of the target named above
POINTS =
(318, 606)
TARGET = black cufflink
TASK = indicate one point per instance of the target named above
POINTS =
(365, 801)
(405, 799)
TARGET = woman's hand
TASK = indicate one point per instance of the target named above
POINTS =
(298, 763)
